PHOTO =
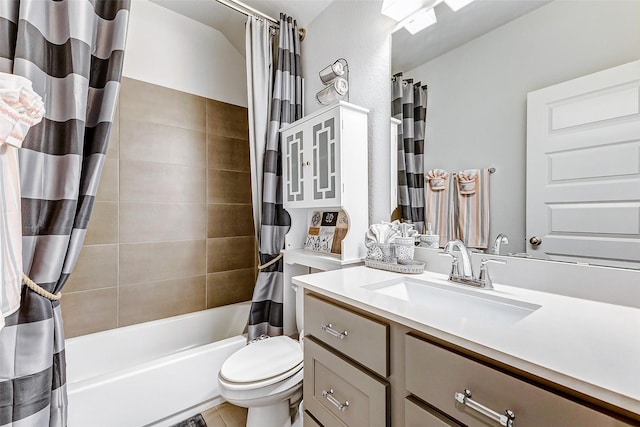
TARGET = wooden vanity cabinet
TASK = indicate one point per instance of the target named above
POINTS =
(345, 365)
(393, 375)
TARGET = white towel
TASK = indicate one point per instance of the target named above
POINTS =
(20, 108)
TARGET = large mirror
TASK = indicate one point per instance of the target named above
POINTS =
(479, 64)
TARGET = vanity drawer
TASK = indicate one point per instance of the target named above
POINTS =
(309, 421)
(330, 382)
(418, 415)
(435, 375)
(363, 339)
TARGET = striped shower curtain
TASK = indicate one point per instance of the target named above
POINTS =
(409, 105)
(72, 51)
(266, 316)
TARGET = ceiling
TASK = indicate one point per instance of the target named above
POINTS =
(453, 29)
(231, 23)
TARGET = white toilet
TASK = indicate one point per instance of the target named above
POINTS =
(265, 377)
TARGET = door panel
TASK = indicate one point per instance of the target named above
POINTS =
(583, 168)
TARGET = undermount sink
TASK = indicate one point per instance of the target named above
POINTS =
(467, 304)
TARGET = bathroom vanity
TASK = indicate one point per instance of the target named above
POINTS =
(385, 349)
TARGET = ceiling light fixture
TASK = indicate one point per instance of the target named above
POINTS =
(399, 10)
(419, 20)
(416, 15)
(456, 5)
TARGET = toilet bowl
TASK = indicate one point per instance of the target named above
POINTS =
(265, 377)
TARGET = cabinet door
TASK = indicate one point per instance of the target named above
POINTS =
(339, 393)
(325, 158)
(294, 165)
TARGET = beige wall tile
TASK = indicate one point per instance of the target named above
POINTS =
(97, 267)
(114, 135)
(229, 220)
(228, 187)
(154, 142)
(230, 253)
(146, 249)
(108, 187)
(227, 120)
(228, 153)
(156, 104)
(103, 224)
(146, 262)
(157, 300)
(161, 182)
(228, 287)
(89, 311)
(161, 222)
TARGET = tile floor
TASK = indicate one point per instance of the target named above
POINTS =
(225, 415)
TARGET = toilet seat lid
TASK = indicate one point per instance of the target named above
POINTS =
(262, 360)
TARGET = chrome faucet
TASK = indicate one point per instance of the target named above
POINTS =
(465, 274)
(466, 271)
(500, 239)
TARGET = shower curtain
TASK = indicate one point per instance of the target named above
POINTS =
(409, 105)
(266, 315)
(259, 86)
(72, 51)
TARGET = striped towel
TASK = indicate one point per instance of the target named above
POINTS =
(471, 190)
(438, 204)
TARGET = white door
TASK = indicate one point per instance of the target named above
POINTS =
(583, 169)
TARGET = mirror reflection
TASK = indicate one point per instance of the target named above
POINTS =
(478, 65)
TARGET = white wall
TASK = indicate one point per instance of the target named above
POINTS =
(355, 30)
(476, 115)
(173, 51)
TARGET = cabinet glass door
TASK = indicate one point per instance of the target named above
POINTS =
(295, 167)
(325, 152)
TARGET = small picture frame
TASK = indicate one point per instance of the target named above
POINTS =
(326, 231)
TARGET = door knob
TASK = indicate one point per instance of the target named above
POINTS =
(535, 241)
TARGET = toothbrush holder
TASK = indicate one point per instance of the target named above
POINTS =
(404, 249)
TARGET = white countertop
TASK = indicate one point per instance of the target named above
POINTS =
(591, 347)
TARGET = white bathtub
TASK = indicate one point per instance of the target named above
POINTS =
(155, 373)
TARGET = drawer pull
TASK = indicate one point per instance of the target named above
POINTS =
(505, 420)
(335, 402)
(328, 328)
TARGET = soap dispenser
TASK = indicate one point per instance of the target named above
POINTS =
(430, 240)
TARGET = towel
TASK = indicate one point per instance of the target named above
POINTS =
(20, 109)
(471, 190)
(439, 203)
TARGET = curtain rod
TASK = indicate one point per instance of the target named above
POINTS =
(245, 9)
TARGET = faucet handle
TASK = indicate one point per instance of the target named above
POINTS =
(485, 261)
(483, 277)
(454, 265)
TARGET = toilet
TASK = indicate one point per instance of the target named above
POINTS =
(265, 377)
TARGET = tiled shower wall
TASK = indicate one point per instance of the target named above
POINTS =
(172, 226)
